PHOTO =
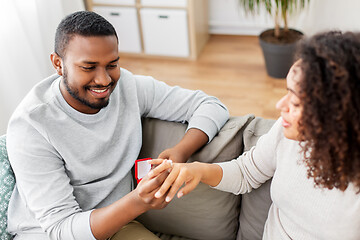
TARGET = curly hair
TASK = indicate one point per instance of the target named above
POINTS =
(330, 96)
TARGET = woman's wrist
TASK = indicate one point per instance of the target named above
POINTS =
(210, 174)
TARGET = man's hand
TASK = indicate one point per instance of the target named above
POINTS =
(175, 154)
(192, 141)
(106, 221)
(149, 185)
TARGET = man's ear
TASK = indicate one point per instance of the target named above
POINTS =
(57, 63)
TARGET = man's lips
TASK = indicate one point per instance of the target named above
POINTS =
(100, 93)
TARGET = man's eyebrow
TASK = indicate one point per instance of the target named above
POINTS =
(89, 62)
(94, 63)
(117, 59)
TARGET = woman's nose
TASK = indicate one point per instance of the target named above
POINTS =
(282, 104)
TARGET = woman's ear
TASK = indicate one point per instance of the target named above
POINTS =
(57, 63)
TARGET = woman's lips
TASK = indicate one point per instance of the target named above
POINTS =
(285, 123)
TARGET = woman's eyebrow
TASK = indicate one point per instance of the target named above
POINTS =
(293, 91)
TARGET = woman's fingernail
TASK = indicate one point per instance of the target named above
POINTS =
(167, 199)
(180, 194)
(157, 194)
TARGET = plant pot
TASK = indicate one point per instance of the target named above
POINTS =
(279, 53)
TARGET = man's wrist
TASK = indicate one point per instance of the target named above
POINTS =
(141, 207)
(184, 151)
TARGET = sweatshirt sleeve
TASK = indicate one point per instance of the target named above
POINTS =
(43, 184)
(254, 167)
(158, 100)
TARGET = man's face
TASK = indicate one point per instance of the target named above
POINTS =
(90, 70)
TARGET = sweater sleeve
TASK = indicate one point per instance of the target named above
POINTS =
(158, 100)
(254, 167)
(43, 184)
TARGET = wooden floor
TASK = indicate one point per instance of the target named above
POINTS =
(229, 67)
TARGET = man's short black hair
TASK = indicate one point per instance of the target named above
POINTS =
(83, 23)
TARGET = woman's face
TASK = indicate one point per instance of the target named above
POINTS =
(289, 105)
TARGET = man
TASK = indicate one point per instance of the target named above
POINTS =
(74, 138)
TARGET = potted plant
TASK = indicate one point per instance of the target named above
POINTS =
(278, 44)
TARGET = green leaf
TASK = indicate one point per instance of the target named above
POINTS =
(283, 7)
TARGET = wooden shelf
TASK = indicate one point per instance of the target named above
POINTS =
(197, 25)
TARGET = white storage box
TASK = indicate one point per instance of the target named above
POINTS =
(116, 2)
(126, 24)
(164, 3)
(165, 32)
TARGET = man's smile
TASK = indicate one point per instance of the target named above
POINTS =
(100, 93)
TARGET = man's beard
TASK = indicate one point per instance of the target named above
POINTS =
(75, 94)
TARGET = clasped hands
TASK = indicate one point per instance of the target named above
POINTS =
(164, 180)
(178, 174)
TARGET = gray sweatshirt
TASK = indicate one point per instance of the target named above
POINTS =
(299, 211)
(68, 163)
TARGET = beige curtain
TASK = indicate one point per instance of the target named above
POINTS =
(27, 29)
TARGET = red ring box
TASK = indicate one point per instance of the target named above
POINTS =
(142, 167)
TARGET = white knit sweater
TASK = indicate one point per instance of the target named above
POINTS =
(67, 163)
(300, 210)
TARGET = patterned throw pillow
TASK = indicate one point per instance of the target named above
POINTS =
(7, 182)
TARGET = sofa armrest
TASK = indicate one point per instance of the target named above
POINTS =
(255, 205)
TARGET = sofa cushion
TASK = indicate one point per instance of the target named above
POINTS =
(255, 205)
(7, 183)
(205, 213)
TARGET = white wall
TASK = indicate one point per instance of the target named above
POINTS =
(325, 15)
(27, 29)
(227, 17)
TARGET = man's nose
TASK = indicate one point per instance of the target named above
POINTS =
(102, 78)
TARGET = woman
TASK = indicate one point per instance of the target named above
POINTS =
(312, 152)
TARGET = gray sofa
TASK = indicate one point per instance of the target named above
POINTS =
(205, 213)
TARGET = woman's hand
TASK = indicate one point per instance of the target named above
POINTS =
(180, 173)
